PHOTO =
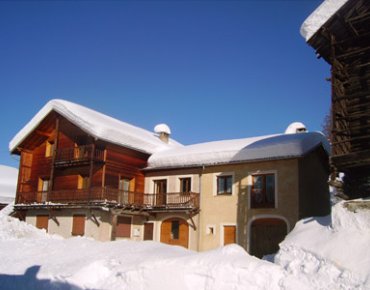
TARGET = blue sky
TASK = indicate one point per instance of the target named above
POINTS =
(211, 70)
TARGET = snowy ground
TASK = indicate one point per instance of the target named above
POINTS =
(320, 253)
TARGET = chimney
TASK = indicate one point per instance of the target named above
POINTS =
(163, 132)
(296, 127)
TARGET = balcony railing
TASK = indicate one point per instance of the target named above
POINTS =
(77, 155)
(174, 200)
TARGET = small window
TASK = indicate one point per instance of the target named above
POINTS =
(224, 184)
(175, 229)
(49, 149)
(83, 182)
(43, 185)
(124, 184)
(185, 184)
(263, 191)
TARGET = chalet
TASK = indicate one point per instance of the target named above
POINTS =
(339, 32)
(85, 173)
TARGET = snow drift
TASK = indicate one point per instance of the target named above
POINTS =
(320, 253)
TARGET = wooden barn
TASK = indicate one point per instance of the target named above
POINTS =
(339, 32)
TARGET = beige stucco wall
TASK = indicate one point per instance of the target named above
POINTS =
(60, 222)
(217, 211)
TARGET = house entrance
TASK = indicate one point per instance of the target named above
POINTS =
(265, 236)
(175, 231)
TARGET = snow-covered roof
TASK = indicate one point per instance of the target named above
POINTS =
(239, 150)
(8, 183)
(97, 125)
(321, 15)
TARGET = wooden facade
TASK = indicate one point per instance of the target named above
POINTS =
(62, 166)
(344, 42)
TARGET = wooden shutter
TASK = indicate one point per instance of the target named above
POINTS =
(42, 222)
(229, 235)
(123, 229)
(148, 231)
(78, 227)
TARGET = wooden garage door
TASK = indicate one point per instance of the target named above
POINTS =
(266, 234)
(42, 222)
(175, 231)
(229, 235)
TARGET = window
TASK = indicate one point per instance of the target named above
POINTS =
(263, 191)
(83, 182)
(123, 229)
(160, 186)
(224, 184)
(43, 184)
(124, 184)
(49, 149)
(175, 229)
(78, 226)
(185, 184)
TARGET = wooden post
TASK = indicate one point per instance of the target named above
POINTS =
(55, 148)
(91, 169)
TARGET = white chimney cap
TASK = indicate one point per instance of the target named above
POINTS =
(296, 127)
(162, 128)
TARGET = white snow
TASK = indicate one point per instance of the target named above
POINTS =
(162, 128)
(239, 150)
(97, 125)
(320, 253)
(8, 183)
(296, 127)
(318, 18)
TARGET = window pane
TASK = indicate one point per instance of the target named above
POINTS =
(220, 185)
(258, 184)
(270, 188)
(229, 184)
(175, 230)
(185, 184)
(124, 184)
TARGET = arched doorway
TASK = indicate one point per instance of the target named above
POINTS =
(265, 236)
(175, 231)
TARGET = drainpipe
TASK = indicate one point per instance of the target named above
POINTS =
(199, 220)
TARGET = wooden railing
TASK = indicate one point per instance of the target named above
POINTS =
(174, 200)
(78, 154)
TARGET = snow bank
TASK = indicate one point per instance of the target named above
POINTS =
(318, 18)
(8, 183)
(320, 253)
(332, 250)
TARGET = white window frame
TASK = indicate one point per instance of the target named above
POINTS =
(220, 174)
(178, 177)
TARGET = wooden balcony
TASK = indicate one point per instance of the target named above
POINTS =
(113, 198)
(78, 156)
